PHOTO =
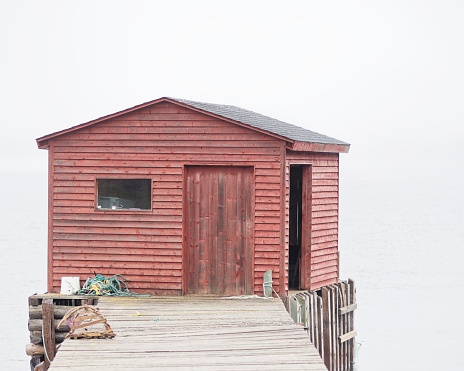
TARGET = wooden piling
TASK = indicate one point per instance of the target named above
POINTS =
(46, 311)
(48, 332)
(329, 319)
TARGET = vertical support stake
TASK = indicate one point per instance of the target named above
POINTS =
(267, 283)
(48, 332)
(327, 327)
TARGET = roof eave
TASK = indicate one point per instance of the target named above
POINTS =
(42, 144)
(319, 147)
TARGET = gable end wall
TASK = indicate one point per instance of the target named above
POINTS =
(146, 247)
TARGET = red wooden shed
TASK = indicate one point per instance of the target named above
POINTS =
(184, 197)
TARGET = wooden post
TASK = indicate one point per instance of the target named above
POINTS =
(352, 301)
(326, 312)
(334, 326)
(48, 332)
(320, 325)
(343, 328)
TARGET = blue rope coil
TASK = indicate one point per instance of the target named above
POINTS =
(111, 286)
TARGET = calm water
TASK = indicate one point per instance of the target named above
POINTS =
(401, 240)
(23, 266)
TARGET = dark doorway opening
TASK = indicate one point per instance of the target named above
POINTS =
(295, 226)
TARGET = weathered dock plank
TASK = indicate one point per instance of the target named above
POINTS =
(193, 333)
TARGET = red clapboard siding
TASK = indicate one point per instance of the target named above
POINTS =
(324, 214)
(155, 142)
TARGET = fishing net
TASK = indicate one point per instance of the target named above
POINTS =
(112, 286)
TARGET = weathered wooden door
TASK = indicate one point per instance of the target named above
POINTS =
(305, 264)
(218, 237)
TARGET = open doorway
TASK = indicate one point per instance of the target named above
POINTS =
(295, 227)
(299, 227)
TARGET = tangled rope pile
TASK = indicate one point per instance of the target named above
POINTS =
(112, 286)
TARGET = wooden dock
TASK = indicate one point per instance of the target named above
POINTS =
(193, 333)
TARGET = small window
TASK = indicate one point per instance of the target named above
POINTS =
(124, 194)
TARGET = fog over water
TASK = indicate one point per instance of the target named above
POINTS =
(24, 257)
(386, 77)
(400, 242)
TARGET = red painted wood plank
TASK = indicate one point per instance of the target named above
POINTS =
(265, 206)
(165, 127)
(157, 169)
(165, 252)
(324, 232)
(325, 182)
(74, 187)
(267, 220)
(156, 137)
(323, 220)
(274, 254)
(118, 259)
(325, 176)
(324, 274)
(325, 169)
(184, 153)
(219, 143)
(325, 188)
(274, 193)
(325, 195)
(267, 234)
(168, 116)
(117, 231)
(332, 256)
(324, 226)
(106, 270)
(86, 196)
(326, 201)
(323, 239)
(325, 214)
(261, 268)
(268, 227)
(127, 238)
(85, 204)
(117, 172)
(263, 248)
(323, 247)
(117, 223)
(266, 241)
(121, 215)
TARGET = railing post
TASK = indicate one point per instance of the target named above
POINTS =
(326, 312)
(352, 301)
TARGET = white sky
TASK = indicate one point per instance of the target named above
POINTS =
(385, 76)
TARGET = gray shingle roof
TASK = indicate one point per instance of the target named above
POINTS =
(263, 122)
